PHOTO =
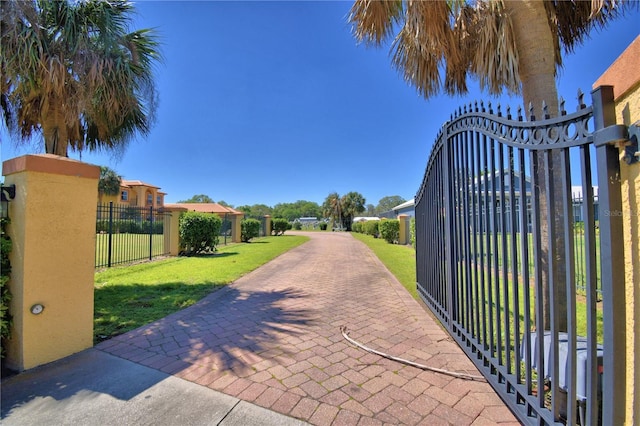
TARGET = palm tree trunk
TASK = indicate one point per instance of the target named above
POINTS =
(54, 129)
(536, 64)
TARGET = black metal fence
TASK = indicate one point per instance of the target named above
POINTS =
(126, 234)
(504, 280)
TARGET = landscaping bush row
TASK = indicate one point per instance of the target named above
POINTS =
(368, 228)
(388, 229)
(129, 227)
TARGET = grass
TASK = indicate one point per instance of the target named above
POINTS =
(399, 260)
(127, 247)
(131, 296)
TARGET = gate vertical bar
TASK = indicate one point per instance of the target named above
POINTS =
(151, 233)
(451, 264)
(612, 254)
(110, 241)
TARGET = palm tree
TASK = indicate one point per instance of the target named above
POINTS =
(506, 45)
(72, 72)
(352, 204)
(332, 209)
(109, 182)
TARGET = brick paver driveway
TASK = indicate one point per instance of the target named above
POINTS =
(273, 338)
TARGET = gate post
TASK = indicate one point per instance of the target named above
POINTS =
(267, 225)
(612, 254)
(403, 240)
(53, 231)
(172, 229)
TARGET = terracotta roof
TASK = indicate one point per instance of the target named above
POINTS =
(205, 208)
(136, 183)
(624, 73)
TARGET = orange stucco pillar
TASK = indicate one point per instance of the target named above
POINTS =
(404, 229)
(53, 230)
(267, 225)
(172, 233)
(236, 227)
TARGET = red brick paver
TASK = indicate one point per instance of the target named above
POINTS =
(273, 338)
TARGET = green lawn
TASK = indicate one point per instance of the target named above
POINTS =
(400, 260)
(131, 296)
(126, 247)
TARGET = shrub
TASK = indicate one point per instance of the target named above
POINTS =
(323, 226)
(279, 226)
(250, 228)
(371, 228)
(297, 226)
(5, 295)
(358, 227)
(389, 230)
(412, 230)
(199, 232)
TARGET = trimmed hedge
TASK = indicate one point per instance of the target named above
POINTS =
(279, 226)
(371, 228)
(389, 230)
(199, 232)
(250, 228)
(129, 227)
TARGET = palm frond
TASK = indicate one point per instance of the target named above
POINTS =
(572, 21)
(495, 56)
(373, 20)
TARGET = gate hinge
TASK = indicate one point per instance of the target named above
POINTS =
(631, 151)
(611, 135)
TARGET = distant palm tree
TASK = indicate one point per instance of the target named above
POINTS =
(512, 45)
(73, 72)
(109, 183)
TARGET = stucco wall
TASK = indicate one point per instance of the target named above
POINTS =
(624, 76)
(628, 112)
(52, 228)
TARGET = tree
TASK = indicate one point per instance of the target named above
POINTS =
(512, 45)
(73, 73)
(199, 198)
(293, 211)
(331, 208)
(256, 211)
(370, 210)
(352, 204)
(389, 202)
(343, 209)
(109, 182)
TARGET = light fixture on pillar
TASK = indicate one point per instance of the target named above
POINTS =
(7, 193)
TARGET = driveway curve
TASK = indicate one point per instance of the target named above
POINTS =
(273, 338)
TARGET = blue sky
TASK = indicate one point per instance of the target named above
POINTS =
(270, 102)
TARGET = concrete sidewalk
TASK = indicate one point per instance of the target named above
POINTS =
(95, 388)
(272, 340)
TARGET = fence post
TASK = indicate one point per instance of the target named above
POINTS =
(612, 253)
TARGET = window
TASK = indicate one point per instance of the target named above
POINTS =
(159, 200)
(149, 198)
(124, 196)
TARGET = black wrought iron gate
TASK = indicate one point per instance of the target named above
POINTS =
(490, 236)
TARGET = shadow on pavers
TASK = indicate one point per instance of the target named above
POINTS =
(95, 388)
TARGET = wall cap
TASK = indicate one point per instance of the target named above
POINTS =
(623, 74)
(50, 163)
